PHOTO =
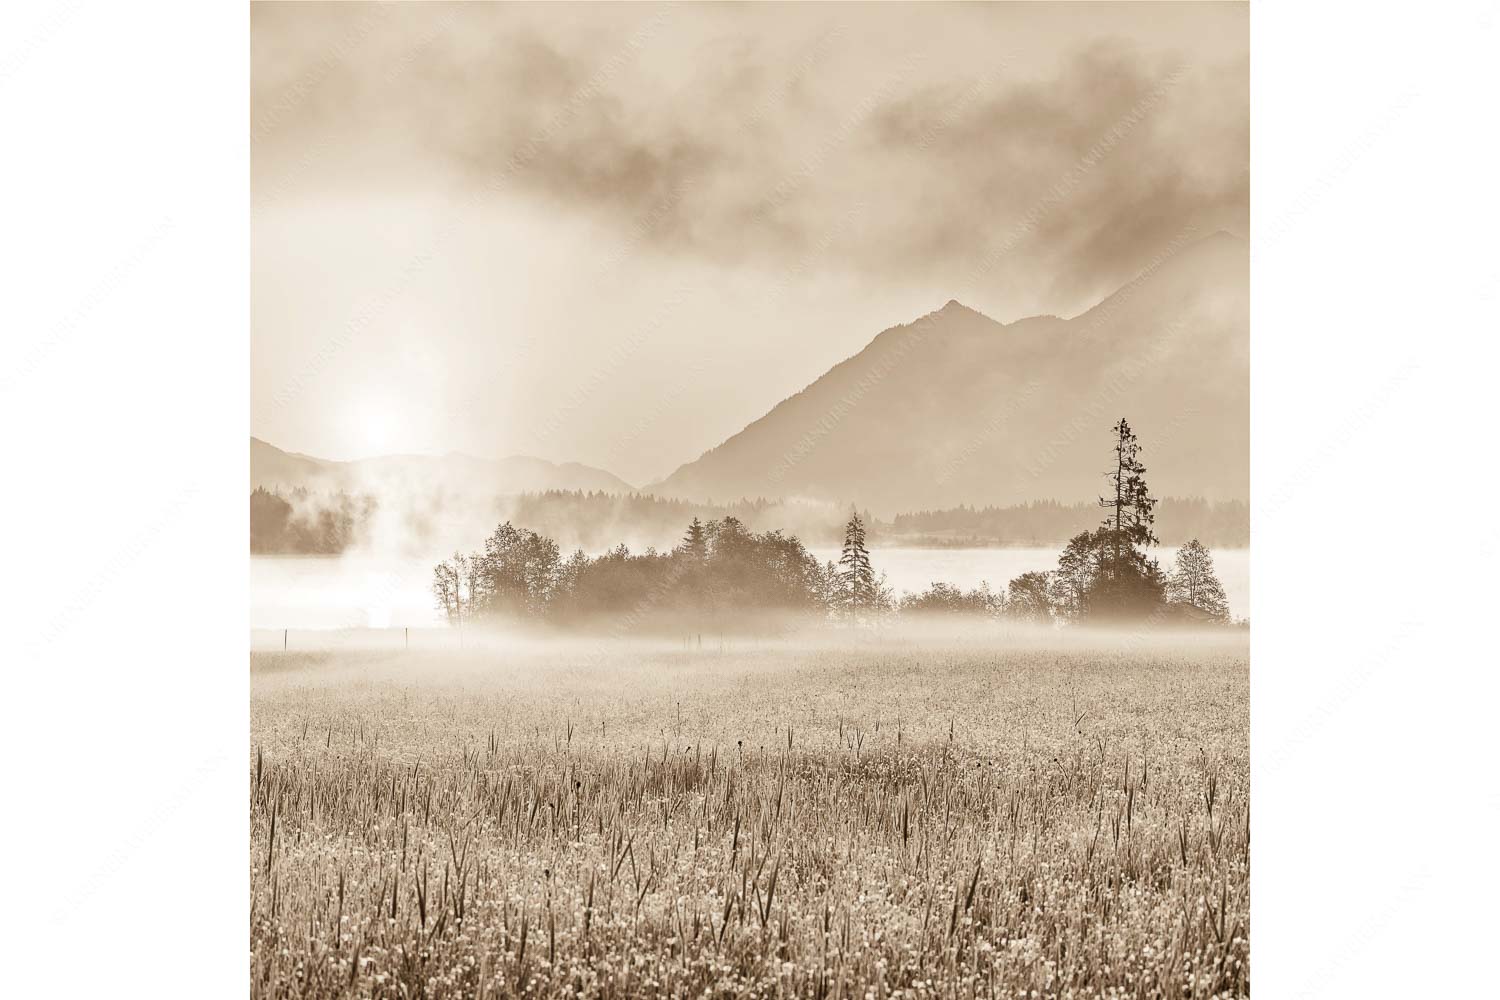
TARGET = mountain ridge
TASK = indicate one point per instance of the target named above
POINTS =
(273, 467)
(1184, 317)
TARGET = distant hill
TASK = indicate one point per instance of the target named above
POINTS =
(275, 469)
(1224, 524)
(957, 408)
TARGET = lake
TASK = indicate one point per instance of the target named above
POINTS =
(344, 592)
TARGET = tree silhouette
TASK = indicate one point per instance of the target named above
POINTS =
(1028, 598)
(696, 540)
(453, 586)
(1192, 582)
(744, 581)
(270, 520)
(516, 574)
(859, 588)
(1130, 506)
(947, 599)
(1079, 568)
(1130, 583)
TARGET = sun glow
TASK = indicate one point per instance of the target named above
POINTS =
(372, 425)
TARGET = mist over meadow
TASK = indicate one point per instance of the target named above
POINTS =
(749, 501)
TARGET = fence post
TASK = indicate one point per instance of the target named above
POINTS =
(407, 630)
(283, 639)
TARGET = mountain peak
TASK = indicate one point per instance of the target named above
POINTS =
(955, 312)
(943, 410)
(953, 307)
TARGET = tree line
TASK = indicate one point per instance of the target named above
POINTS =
(306, 523)
(722, 576)
(1218, 524)
(302, 522)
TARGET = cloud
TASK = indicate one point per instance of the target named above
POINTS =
(745, 146)
(1111, 156)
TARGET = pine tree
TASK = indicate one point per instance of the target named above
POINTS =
(856, 575)
(1131, 505)
(1130, 583)
(695, 541)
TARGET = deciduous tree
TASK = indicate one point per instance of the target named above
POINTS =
(1028, 598)
(1192, 582)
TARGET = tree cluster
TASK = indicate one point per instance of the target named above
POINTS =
(594, 520)
(721, 577)
(947, 600)
(1106, 575)
(304, 523)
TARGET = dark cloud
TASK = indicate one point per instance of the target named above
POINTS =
(1086, 172)
(748, 148)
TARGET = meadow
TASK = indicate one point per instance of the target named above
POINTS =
(998, 814)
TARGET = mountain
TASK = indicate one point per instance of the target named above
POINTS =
(276, 469)
(956, 408)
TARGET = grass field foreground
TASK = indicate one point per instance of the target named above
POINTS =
(1046, 816)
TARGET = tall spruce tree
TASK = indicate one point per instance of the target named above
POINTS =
(855, 572)
(1130, 503)
(1130, 583)
(696, 540)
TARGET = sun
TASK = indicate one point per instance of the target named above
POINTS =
(372, 425)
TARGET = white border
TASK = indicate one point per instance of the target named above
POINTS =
(1373, 280)
(125, 405)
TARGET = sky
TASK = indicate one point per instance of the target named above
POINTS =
(617, 234)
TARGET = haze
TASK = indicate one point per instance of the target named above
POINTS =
(616, 235)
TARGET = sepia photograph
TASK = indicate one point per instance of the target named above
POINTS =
(749, 501)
